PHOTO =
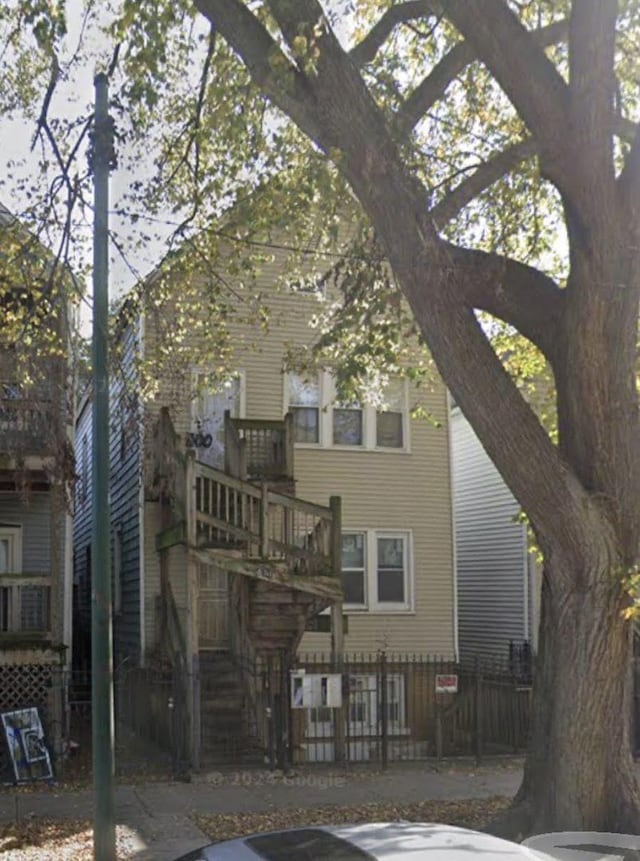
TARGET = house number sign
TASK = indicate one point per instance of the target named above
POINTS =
(199, 440)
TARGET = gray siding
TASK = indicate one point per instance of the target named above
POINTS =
(82, 541)
(492, 565)
(124, 461)
(34, 515)
(124, 457)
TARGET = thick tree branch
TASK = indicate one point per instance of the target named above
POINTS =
(528, 77)
(433, 87)
(366, 50)
(592, 84)
(527, 459)
(484, 177)
(267, 64)
(626, 129)
(629, 182)
(518, 294)
(517, 62)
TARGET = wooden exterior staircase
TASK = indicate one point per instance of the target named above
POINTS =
(275, 557)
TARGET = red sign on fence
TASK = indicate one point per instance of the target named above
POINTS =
(446, 684)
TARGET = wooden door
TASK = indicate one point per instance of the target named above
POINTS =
(213, 607)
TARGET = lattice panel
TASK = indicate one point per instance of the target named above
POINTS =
(26, 686)
(23, 686)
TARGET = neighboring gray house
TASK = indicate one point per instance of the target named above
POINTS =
(36, 474)
(496, 574)
(127, 575)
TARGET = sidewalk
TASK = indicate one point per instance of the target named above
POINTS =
(160, 812)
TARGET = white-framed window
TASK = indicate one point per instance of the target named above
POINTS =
(10, 549)
(304, 402)
(392, 421)
(377, 570)
(348, 424)
(320, 419)
(354, 568)
(208, 406)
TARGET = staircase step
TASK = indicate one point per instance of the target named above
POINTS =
(281, 625)
(214, 726)
(221, 705)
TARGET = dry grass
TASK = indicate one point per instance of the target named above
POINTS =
(469, 813)
(35, 839)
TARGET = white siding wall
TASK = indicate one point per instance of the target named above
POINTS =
(494, 599)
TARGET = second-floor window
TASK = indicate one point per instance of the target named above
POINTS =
(10, 549)
(348, 424)
(320, 419)
(377, 570)
(304, 404)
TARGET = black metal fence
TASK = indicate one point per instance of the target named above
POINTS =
(381, 708)
(408, 707)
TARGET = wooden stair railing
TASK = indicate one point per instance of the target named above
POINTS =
(235, 449)
(261, 524)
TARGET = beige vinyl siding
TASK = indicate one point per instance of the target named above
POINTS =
(383, 490)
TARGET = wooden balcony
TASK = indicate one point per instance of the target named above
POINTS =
(25, 606)
(259, 449)
(249, 525)
(25, 425)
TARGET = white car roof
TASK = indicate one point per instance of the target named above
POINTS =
(586, 845)
(378, 841)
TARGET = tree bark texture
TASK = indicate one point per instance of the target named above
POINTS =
(579, 773)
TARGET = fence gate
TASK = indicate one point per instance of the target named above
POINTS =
(213, 607)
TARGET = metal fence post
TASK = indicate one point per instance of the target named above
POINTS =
(384, 711)
(479, 711)
(283, 713)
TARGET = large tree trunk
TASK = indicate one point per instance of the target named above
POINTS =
(580, 773)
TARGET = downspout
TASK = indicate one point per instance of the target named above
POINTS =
(454, 544)
(141, 510)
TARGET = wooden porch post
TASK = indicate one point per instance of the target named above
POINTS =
(288, 445)
(264, 521)
(337, 622)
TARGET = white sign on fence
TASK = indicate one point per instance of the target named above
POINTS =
(27, 747)
(446, 683)
(316, 690)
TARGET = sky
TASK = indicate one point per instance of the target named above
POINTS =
(19, 160)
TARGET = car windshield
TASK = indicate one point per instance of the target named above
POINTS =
(306, 844)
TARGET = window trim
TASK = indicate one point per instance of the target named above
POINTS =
(196, 374)
(197, 392)
(365, 572)
(327, 401)
(13, 532)
(324, 430)
(373, 605)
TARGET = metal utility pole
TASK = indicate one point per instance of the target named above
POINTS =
(104, 829)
